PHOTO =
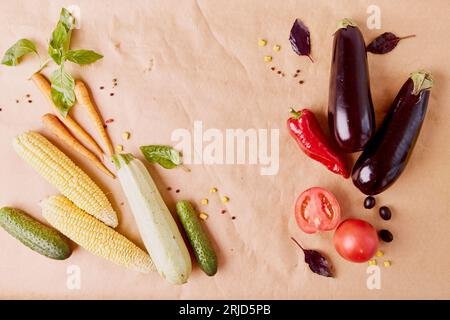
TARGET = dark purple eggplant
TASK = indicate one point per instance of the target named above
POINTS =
(350, 110)
(386, 155)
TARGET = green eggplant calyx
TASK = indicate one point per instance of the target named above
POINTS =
(344, 23)
(295, 114)
(422, 81)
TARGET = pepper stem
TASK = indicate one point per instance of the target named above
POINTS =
(295, 114)
(422, 81)
(344, 23)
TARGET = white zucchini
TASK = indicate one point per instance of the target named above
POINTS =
(156, 225)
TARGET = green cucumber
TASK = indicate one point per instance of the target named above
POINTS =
(35, 235)
(203, 249)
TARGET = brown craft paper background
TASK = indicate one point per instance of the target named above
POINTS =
(207, 66)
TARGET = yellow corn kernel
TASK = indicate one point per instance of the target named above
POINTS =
(213, 190)
(65, 175)
(379, 253)
(276, 48)
(93, 235)
(372, 262)
(225, 199)
(387, 263)
(262, 42)
(119, 148)
(267, 58)
(203, 215)
(204, 201)
(126, 135)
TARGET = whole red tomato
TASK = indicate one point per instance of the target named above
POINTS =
(317, 209)
(356, 240)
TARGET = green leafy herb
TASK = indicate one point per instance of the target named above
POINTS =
(62, 83)
(166, 156)
(63, 90)
(82, 56)
(60, 40)
(18, 50)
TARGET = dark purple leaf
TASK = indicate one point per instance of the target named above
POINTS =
(300, 39)
(385, 43)
(316, 261)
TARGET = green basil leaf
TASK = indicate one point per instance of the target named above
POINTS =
(67, 19)
(166, 156)
(63, 90)
(18, 50)
(61, 35)
(82, 56)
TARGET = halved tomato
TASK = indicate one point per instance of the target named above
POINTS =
(317, 209)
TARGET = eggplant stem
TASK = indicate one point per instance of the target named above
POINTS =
(297, 243)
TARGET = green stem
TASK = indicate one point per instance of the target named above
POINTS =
(295, 114)
(344, 23)
(422, 81)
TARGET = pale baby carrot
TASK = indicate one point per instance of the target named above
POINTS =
(84, 98)
(56, 127)
(44, 86)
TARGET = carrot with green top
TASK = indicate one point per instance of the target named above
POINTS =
(44, 86)
(84, 98)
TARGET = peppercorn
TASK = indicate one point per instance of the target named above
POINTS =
(385, 213)
(369, 202)
(385, 235)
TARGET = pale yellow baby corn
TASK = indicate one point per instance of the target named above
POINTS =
(65, 175)
(94, 236)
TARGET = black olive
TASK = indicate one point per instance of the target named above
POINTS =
(369, 202)
(385, 213)
(385, 235)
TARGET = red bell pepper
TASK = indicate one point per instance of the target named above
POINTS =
(305, 129)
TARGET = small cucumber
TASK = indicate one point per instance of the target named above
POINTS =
(203, 250)
(35, 235)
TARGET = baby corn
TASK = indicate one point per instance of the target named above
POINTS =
(65, 175)
(93, 235)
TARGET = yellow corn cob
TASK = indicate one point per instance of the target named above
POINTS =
(65, 175)
(93, 235)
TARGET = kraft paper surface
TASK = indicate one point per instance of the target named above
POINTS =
(178, 63)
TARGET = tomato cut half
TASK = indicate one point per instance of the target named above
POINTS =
(317, 209)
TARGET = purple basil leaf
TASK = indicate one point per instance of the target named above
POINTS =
(316, 261)
(300, 39)
(385, 43)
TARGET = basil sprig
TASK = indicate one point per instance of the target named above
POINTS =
(62, 83)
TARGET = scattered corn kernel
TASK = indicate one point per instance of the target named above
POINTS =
(119, 148)
(262, 42)
(372, 262)
(213, 190)
(276, 48)
(126, 135)
(205, 201)
(387, 263)
(203, 215)
(379, 253)
(225, 199)
(267, 58)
